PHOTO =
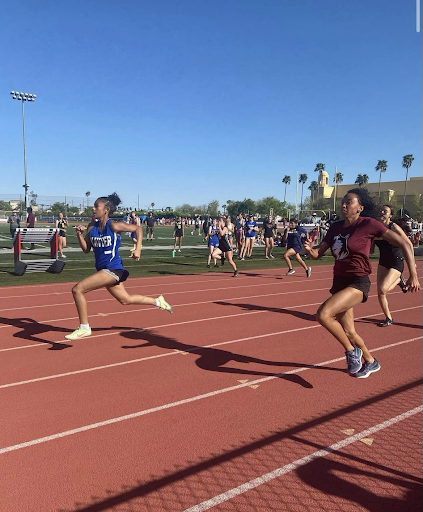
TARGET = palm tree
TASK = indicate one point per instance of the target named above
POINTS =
(319, 167)
(224, 206)
(362, 179)
(314, 186)
(381, 167)
(302, 179)
(153, 205)
(87, 194)
(339, 177)
(407, 160)
(287, 181)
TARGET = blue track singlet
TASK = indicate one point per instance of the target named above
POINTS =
(106, 245)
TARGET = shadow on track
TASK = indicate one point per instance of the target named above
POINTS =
(214, 359)
(31, 329)
(377, 321)
(188, 483)
(256, 307)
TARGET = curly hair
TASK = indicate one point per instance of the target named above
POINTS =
(112, 202)
(370, 208)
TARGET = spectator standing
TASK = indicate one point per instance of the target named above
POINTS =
(250, 229)
(30, 223)
(178, 233)
(14, 223)
(206, 225)
(269, 231)
(135, 220)
(150, 223)
(239, 232)
(323, 228)
(196, 225)
(61, 225)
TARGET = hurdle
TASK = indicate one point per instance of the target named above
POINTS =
(37, 235)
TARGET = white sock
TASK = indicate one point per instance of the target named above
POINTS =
(84, 326)
(157, 303)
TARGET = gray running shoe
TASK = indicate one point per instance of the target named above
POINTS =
(386, 322)
(354, 360)
(367, 369)
(308, 272)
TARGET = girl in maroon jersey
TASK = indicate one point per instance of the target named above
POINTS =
(349, 240)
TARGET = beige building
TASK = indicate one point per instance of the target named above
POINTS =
(387, 188)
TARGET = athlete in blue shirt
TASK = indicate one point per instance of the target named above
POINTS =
(250, 230)
(295, 236)
(103, 236)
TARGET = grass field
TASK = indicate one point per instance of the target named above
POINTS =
(156, 258)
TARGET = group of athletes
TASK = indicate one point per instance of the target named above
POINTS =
(350, 241)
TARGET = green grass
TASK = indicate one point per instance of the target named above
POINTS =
(152, 263)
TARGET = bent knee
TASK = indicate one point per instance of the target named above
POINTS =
(77, 289)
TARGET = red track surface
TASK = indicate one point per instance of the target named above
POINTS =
(228, 404)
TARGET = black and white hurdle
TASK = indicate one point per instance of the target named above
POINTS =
(33, 236)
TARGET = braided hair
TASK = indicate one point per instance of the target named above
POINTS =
(112, 202)
(370, 208)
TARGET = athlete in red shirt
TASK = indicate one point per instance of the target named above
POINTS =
(349, 241)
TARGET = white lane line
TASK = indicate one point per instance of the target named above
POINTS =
(171, 405)
(187, 350)
(162, 285)
(23, 308)
(272, 475)
(183, 278)
(58, 305)
(173, 306)
(34, 345)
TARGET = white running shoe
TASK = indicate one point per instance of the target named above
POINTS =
(164, 305)
(271, 256)
(290, 272)
(78, 334)
(308, 272)
(63, 256)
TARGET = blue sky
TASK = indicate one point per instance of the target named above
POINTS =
(186, 101)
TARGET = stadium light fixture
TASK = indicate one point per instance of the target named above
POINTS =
(24, 96)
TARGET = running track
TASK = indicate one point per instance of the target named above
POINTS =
(237, 402)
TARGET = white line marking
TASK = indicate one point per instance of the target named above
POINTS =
(184, 283)
(188, 350)
(174, 306)
(21, 308)
(34, 345)
(138, 414)
(272, 475)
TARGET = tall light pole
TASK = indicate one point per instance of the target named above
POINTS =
(24, 96)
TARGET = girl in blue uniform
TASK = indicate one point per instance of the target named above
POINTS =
(250, 228)
(103, 237)
(212, 241)
(294, 236)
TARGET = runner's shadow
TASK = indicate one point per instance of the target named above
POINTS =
(213, 359)
(376, 322)
(264, 276)
(31, 329)
(256, 307)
